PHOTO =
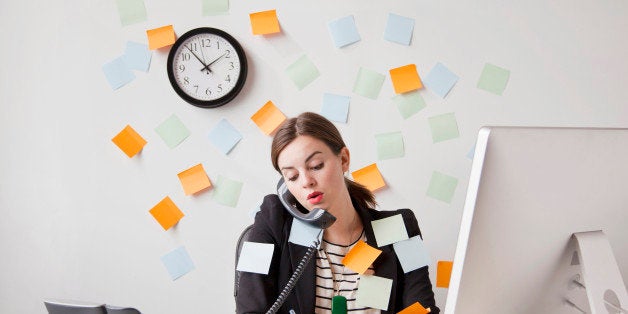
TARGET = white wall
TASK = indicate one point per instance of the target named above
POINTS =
(74, 219)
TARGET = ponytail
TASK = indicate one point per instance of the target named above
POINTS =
(360, 194)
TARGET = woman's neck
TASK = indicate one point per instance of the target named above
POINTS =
(348, 225)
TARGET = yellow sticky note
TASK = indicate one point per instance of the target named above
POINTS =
(129, 141)
(268, 118)
(194, 179)
(370, 177)
(360, 257)
(443, 273)
(264, 22)
(160, 37)
(166, 213)
(405, 78)
(415, 308)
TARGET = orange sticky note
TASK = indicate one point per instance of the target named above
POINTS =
(194, 179)
(160, 37)
(166, 213)
(370, 177)
(264, 22)
(129, 141)
(360, 257)
(415, 308)
(443, 273)
(268, 118)
(405, 78)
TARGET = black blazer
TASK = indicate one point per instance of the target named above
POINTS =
(258, 292)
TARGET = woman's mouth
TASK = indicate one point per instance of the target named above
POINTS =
(315, 198)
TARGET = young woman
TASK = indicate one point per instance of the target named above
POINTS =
(309, 153)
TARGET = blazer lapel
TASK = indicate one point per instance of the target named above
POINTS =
(305, 289)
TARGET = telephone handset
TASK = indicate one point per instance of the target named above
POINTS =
(317, 217)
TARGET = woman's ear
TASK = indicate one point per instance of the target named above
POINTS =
(345, 158)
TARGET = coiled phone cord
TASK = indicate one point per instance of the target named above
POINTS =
(295, 276)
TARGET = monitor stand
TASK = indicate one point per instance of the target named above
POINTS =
(600, 289)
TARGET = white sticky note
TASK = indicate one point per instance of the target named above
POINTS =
(399, 29)
(137, 56)
(255, 257)
(411, 254)
(389, 230)
(303, 234)
(343, 31)
(335, 107)
(224, 136)
(374, 292)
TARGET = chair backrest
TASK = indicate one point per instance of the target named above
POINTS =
(244, 236)
(121, 310)
(73, 307)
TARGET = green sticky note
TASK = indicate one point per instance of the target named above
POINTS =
(444, 127)
(389, 145)
(172, 131)
(389, 230)
(493, 79)
(442, 187)
(374, 292)
(131, 11)
(302, 72)
(368, 83)
(215, 7)
(409, 103)
(227, 191)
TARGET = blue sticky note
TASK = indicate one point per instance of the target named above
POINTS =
(117, 73)
(137, 56)
(411, 254)
(178, 263)
(255, 257)
(440, 80)
(399, 29)
(335, 107)
(343, 31)
(471, 153)
(224, 136)
(304, 234)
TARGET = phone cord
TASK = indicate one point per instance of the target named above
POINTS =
(294, 278)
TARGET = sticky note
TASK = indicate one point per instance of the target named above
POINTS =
(409, 103)
(374, 292)
(343, 31)
(224, 136)
(166, 213)
(399, 29)
(493, 79)
(303, 234)
(440, 80)
(411, 254)
(137, 56)
(131, 11)
(255, 257)
(368, 83)
(194, 179)
(117, 73)
(370, 177)
(302, 72)
(405, 78)
(415, 308)
(442, 187)
(178, 262)
(160, 37)
(360, 257)
(129, 141)
(215, 7)
(227, 191)
(389, 230)
(471, 153)
(264, 22)
(444, 127)
(172, 131)
(443, 273)
(268, 118)
(335, 107)
(389, 145)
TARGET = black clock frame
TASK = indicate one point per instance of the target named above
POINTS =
(227, 97)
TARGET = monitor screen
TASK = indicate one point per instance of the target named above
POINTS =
(529, 190)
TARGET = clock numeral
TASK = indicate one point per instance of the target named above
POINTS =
(228, 79)
(205, 42)
(217, 45)
(208, 92)
(196, 89)
(186, 81)
(220, 88)
(181, 67)
(185, 56)
(228, 54)
(194, 46)
(231, 66)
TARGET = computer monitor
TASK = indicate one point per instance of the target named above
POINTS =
(529, 190)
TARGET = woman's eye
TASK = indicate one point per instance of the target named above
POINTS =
(293, 178)
(318, 167)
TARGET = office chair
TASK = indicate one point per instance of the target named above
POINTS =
(244, 236)
(121, 310)
(78, 307)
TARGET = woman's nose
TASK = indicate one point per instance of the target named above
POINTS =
(308, 180)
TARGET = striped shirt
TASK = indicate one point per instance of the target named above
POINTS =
(333, 278)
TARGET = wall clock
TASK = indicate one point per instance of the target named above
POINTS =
(207, 67)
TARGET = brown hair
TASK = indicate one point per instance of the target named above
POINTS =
(317, 126)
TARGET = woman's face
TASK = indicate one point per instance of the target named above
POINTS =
(313, 173)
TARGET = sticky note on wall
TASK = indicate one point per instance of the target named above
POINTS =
(343, 31)
(360, 257)
(227, 191)
(444, 127)
(442, 187)
(443, 273)
(264, 22)
(194, 179)
(131, 11)
(409, 103)
(166, 213)
(129, 141)
(160, 37)
(178, 262)
(368, 83)
(224, 136)
(268, 118)
(370, 177)
(389, 145)
(172, 131)
(493, 79)
(405, 78)
(302, 72)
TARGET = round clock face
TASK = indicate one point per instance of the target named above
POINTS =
(207, 67)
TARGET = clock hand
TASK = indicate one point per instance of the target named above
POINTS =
(197, 58)
(215, 60)
(203, 55)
